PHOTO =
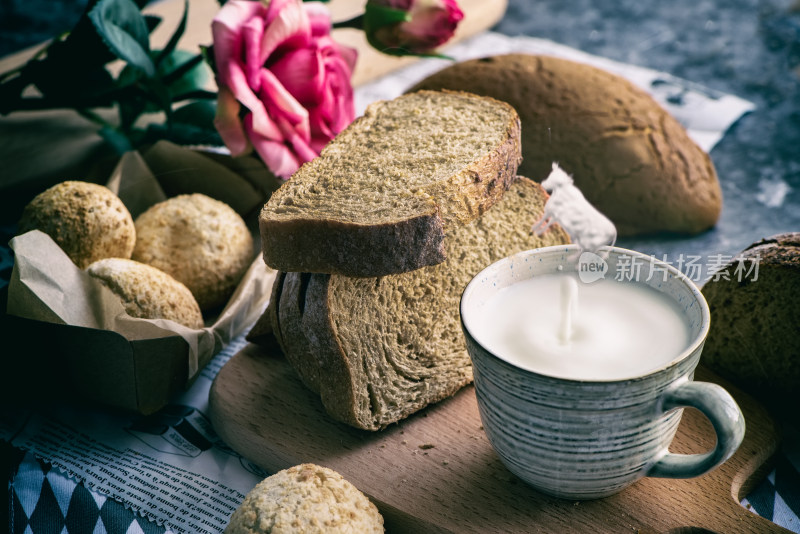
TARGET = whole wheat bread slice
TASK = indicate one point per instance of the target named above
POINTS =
(379, 349)
(381, 196)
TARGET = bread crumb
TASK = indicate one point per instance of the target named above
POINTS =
(426, 446)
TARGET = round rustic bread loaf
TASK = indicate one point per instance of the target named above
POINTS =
(632, 159)
(86, 220)
(754, 339)
(199, 241)
(305, 499)
(147, 292)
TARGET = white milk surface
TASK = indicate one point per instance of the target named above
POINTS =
(554, 325)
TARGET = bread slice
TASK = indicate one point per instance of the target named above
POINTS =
(379, 349)
(381, 196)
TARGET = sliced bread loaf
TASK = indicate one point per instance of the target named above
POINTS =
(380, 197)
(380, 349)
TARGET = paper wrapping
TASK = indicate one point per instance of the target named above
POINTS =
(47, 286)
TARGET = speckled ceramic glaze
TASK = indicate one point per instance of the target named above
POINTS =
(582, 439)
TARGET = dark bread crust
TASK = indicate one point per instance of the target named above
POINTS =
(632, 159)
(323, 245)
(313, 245)
(754, 340)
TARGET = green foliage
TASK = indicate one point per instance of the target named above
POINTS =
(73, 72)
(123, 29)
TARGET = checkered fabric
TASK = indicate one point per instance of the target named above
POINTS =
(44, 501)
(778, 497)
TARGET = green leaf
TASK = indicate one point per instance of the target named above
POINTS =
(377, 16)
(200, 114)
(124, 30)
(184, 72)
(116, 139)
(129, 110)
(173, 41)
(183, 134)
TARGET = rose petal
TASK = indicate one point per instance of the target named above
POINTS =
(281, 104)
(252, 34)
(300, 146)
(319, 18)
(287, 25)
(241, 90)
(302, 73)
(278, 157)
(225, 29)
(349, 55)
(229, 125)
(228, 53)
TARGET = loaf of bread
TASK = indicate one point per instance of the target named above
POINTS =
(379, 349)
(381, 196)
(86, 220)
(305, 499)
(201, 242)
(631, 159)
(147, 292)
(754, 339)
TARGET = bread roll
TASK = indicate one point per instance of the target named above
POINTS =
(305, 499)
(754, 339)
(631, 159)
(86, 220)
(201, 242)
(147, 292)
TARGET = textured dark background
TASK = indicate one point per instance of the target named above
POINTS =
(749, 48)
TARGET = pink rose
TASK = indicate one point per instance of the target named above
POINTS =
(284, 84)
(427, 24)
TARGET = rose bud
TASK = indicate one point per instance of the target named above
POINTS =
(410, 27)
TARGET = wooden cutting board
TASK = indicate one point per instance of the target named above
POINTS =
(436, 472)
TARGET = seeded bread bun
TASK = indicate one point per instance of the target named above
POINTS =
(305, 499)
(754, 339)
(86, 220)
(201, 242)
(631, 159)
(147, 292)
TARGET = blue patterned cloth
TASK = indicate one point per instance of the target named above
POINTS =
(42, 500)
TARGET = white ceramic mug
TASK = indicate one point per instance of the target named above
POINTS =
(585, 439)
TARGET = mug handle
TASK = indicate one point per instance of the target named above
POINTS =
(723, 413)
